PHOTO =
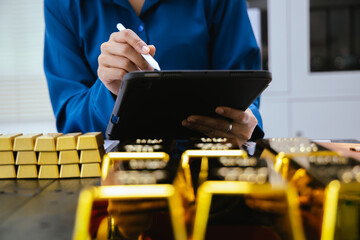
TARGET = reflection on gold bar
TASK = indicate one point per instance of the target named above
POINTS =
(68, 157)
(92, 156)
(49, 171)
(25, 157)
(7, 171)
(7, 141)
(69, 171)
(67, 141)
(27, 171)
(91, 140)
(48, 158)
(7, 157)
(90, 170)
(25, 142)
(46, 142)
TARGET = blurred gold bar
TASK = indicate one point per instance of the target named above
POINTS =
(67, 141)
(27, 171)
(46, 142)
(92, 156)
(69, 171)
(25, 142)
(25, 158)
(7, 141)
(68, 157)
(7, 157)
(48, 158)
(7, 171)
(49, 172)
(90, 170)
(91, 140)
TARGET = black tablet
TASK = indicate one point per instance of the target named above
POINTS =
(153, 104)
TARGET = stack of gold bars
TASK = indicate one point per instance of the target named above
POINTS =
(51, 156)
(295, 187)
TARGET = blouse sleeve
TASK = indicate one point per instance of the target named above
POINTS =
(80, 101)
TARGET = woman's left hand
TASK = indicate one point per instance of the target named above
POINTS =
(240, 128)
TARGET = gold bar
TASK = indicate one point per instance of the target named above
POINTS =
(69, 171)
(27, 171)
(25, 142)
(25, 158)
(68, 157)
(7, 157)
(46, 158)
(7, 141)
(7, 171)
(91, 140)
(46, 142)
(90, 170)
(49, 172)
(67, 141)
(92, 156)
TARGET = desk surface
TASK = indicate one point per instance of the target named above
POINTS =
(39, 209)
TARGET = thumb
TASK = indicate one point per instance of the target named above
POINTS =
(152, 50)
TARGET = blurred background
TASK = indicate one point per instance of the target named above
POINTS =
(312, 48)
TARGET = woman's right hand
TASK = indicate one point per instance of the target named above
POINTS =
(120, 55)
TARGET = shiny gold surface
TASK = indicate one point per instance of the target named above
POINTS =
(46, 142)
(49, 172)
(48, 158)
(69, 171)
(27, 171)
(26, 142)
(91, 140)
(110, 158)
(67, 141)
(7, 141)
(68, 157)
(92, 156)
(6, 157)
(7, 171)
(160, 191)
(90, 170)
(210, 188)
(26, 157)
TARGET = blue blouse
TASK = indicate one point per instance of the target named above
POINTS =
(187, 34)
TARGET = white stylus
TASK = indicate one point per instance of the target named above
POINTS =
(147, 57)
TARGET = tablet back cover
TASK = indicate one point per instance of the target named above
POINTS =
(152, 105)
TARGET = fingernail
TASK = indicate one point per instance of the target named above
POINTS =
(191, 120)
(220, 110)
(145, 49)
(185, 123)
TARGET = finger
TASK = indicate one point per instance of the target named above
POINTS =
(130, 37)
(121, 46)
(234, 114)
(152, 50)
(115, 61)
(135, 42)
(215, 124)
(109, 49)
(200, 127)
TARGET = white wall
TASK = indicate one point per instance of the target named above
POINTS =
(298, 102)
(25, 105)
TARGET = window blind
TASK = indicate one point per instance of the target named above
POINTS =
(23, 88)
